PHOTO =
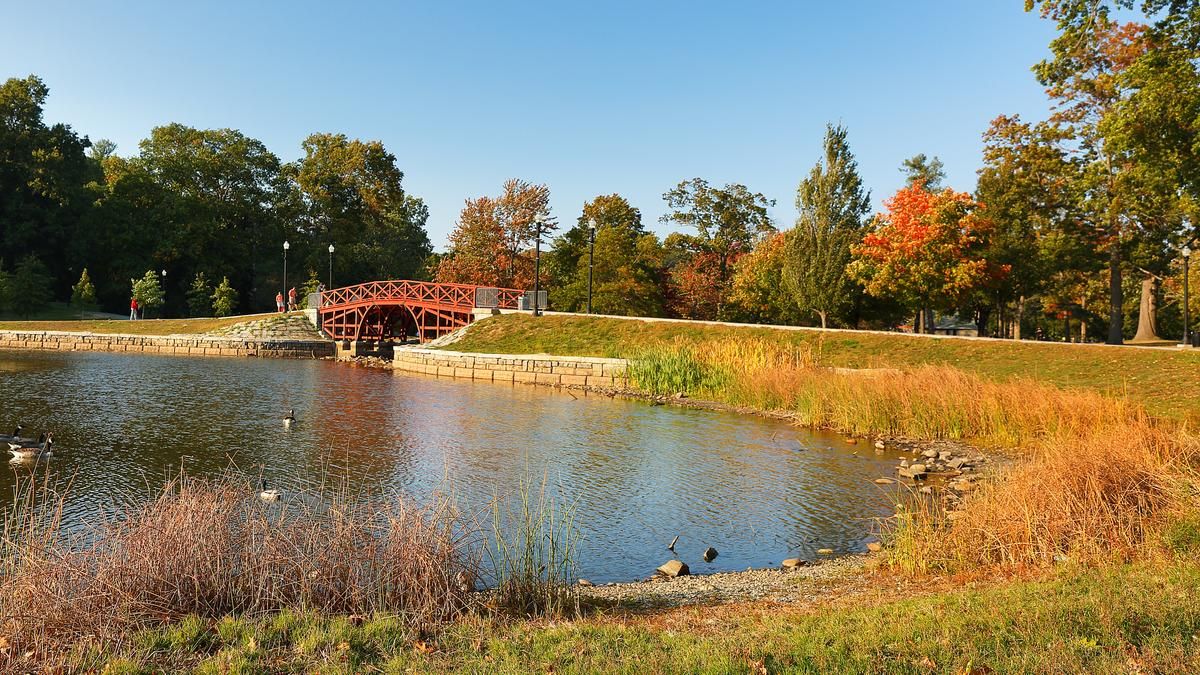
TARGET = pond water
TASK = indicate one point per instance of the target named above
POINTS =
(757, 490)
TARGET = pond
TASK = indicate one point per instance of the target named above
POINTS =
(757, 490)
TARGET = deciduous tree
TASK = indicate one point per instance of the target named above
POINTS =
(492, 243)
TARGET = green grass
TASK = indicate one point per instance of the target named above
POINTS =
(1139, 618)
(1165, 381)
(144, 327)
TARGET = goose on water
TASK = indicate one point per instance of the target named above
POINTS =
(15, 437)
(30, 449)
(289, 418)
(268, 495)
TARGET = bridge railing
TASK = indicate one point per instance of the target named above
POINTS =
(424, 292)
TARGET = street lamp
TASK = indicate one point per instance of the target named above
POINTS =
(1187, 323)
(164, 289)
(286, 246)
(538, 222)
(591, 258)
(330, 267)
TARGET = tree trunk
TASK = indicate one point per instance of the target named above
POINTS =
(1017, 319)
(981, 320)
(927, 321)
(1148, 309)
(1082, 331)
(917, 322)
(1116, 296)
(822, 315)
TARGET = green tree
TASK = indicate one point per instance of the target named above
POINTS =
(83, 293)
(310, 286)
(224, 299)
(30, 286)
(833, 205)
(199, 296)
(147, 290)
(758, 292)
(729, 221)
(928, 171)
(626, 264)
(6, 296)
(350, 193)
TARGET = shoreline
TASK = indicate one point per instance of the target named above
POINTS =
(176, 345)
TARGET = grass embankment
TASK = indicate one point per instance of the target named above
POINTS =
(143, 327)
(1165, 381)
(1134, 618)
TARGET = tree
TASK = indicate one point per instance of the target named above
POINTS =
(6, 295)
(1029, 189)
(627, 262)
(926, 171)
(30, 286)
(43, 173)
(729, 222)
(492, 243)
(350, 193)
(147, 290)
(311, 285)
(83, 293)
(224, 299)
(833, 206)
(758, 292)
(199, 296)
(926, 250)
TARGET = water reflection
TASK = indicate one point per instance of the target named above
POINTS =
(757, 490)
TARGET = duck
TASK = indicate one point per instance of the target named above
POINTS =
(289, 418)
(43, 447)
(268, 495)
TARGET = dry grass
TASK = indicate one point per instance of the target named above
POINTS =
(209, 548)
(1095, 478)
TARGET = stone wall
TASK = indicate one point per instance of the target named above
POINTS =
(557, 371)
(182, 345)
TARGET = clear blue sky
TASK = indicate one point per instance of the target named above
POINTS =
(590, 98)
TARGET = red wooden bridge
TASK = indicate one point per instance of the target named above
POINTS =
(382, 310)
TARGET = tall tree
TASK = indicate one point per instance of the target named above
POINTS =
(350, 193)
(758, 292)
(926, 250)
(729, 222)
(928, 171)
(832, 204)
(492, 243)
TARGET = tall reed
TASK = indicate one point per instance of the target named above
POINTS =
(210, 547)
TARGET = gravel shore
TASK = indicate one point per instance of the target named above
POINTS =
(803, 584)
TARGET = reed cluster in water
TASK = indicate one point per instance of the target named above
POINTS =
(1093, 477)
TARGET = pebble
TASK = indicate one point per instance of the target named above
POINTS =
(824, 551)
(884, 481)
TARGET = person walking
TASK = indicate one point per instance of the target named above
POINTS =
(279, 302)
(292, 299)
(133, 309)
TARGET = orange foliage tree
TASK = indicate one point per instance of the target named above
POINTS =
(492, 244)
(926, 250)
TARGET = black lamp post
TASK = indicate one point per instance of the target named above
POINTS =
(591, 258)
(330, 267)
(286, 246)
(1187, 319)
(538, 221)
(164, 290)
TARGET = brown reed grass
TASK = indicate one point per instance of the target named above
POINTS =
(210, 547)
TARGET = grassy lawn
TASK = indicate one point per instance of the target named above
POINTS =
(144, 327)
(1139, 618)
(1166, 381)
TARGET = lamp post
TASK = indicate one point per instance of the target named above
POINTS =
(164, 290)
(1187, 324)
(591, 258)
(286, 246)
(538, 221)
(330, 286)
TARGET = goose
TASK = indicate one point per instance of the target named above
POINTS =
(16, 435)
(43, 447)
(289, 418)
(268, 495)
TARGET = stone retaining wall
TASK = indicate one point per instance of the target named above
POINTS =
(182, 345)
(557, 371)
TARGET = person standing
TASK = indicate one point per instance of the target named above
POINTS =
(292, 298)
(279, 301)
(133, 309)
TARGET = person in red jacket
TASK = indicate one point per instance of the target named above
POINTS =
(133, 309)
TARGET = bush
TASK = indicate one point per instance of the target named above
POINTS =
(224, 299)
(200, 296)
